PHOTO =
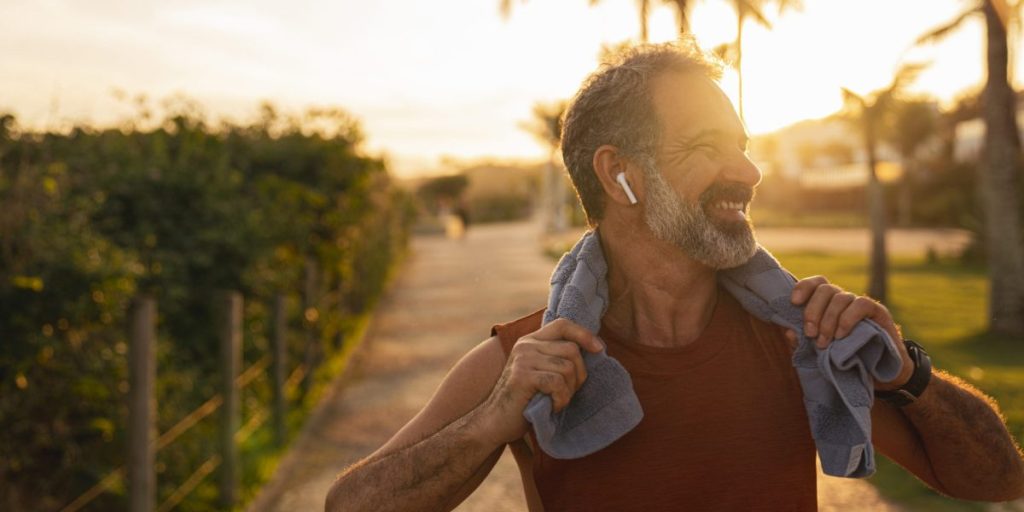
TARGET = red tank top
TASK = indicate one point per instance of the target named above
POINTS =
(724, 426)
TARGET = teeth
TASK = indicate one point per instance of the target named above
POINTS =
(730, 205)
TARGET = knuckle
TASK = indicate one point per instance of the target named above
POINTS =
(565, 348)
(524, 344)
(561, 323)
(847, 323)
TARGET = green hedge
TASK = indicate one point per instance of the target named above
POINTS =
(89, 218)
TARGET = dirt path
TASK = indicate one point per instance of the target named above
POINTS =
(445, 301)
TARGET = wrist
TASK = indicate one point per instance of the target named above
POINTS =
(482, 427)
(906, 372)
(906, 390)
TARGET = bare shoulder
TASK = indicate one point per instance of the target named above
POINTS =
(465, 386)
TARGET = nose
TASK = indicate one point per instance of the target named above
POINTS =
(741, 169)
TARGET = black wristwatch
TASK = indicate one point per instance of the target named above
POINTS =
(911, 391)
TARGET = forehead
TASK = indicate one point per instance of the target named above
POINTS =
(688, 103)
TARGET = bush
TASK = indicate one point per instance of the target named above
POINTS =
(178, 211)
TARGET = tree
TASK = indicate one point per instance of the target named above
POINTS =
(643, 6)
(1001, 166)
(546, 127)
(914, 123)
(443, 188)
(753, 9)
(869, 114)
(744, 9)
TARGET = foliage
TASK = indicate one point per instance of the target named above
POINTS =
(176, 211)
(443, 189)
(500, 207)
(546, 124)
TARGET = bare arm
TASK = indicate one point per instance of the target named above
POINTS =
(953, 437)
(423, 476)
(970, 452)
(444, 453)
(441, 431)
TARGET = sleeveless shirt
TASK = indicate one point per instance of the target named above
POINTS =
(724, 426)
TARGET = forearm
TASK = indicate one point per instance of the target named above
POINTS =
(971, 452)
(423, 476)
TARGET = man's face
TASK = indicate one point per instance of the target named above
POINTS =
(700, 187)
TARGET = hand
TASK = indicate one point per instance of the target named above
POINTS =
(547, 361)
(831, 313)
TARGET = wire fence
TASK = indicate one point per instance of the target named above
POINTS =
(143, 444)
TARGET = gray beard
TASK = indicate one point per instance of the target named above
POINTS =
(718, 245)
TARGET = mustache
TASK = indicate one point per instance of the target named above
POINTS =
(733, 192)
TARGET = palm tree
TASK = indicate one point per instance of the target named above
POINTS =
(643, 6)
(914, 123)
(546, 127)
(869, 113)
(1000, 170)
(753, 9)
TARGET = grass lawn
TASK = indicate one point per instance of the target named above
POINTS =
(943, 306)
(767, 217)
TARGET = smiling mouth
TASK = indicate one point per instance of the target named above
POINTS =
(739, 206)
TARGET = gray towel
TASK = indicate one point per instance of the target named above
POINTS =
(605, 407)
(836, 382)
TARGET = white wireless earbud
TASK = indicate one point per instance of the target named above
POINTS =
(621, 178)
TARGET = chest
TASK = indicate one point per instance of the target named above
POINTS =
(726, 413)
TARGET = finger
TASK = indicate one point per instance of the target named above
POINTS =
(568, 351)
(805, 287)
(791, 336)
(554, 364)
(861, 308)
(815, 307)
(553, 385)
(562, 329)
(830, 319)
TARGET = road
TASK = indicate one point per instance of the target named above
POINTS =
(446, 298)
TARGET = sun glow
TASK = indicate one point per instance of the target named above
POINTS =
(430, 79)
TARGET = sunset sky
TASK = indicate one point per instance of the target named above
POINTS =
(442, 78)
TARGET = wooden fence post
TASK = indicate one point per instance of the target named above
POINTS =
(142, 406)
(279, 366)
(311, 315)
(231, 362)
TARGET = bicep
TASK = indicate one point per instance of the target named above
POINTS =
(467, 385)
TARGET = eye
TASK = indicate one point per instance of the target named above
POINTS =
(708, 147)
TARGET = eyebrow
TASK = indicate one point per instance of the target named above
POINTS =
(710, 133)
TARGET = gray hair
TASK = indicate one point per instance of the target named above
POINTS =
(613, 106)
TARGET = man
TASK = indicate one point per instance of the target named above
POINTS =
(724, 426)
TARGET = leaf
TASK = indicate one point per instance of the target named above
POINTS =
(852, 97)
(726, 52)
(939, 33)
(754, 10)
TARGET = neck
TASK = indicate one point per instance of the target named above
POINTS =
(659, 296)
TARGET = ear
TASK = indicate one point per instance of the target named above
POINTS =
(608, 164)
